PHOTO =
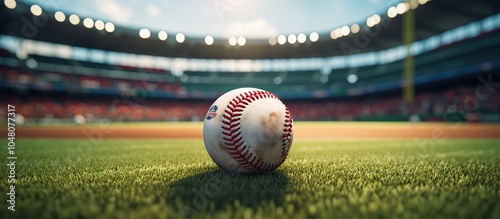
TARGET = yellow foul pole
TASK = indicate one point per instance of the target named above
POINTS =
(409, 63)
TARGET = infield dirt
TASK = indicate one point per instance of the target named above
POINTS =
(302, 130)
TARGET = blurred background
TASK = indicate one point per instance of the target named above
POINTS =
(79, 62)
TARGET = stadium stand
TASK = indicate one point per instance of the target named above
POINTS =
(453, 103)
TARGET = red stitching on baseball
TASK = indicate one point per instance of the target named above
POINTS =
(287, 136)
(233, 140)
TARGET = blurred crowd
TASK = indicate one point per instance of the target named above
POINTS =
(72, 82)
(435, 105)
(113, 108)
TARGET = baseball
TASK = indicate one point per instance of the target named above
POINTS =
(248, 130)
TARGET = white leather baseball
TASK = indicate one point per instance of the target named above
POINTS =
(248, 130)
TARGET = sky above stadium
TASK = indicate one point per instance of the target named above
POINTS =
(224, 18)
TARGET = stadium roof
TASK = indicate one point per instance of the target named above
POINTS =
(432, 18)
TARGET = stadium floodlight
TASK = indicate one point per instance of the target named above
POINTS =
(10, 4)
(209, 40)
(401, 8)
(233, 41)
(88, 22)
(301, 38)
(241, 41)
(31, 63)
(292, 38)
(333, 35)
(278, 80)
(422, 2)
(345, 30)
(60, 16)
(99, 25)
(376, 19)
(180, 37)
(355, 28)
(338, 32)
(352, 78)
(162, 35)
(313, 37)
(144, 33)
(407, 6)
(74, 19)
(272, 41)
(372, 21)
(369, 22)
(392, 12)
(36, 10)
(413, 4)
(281, 39)
(109, 27)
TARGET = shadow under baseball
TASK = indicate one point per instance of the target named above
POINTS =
(217, 190)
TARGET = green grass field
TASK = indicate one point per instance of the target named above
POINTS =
(121, 178)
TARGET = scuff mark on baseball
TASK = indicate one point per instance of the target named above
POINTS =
(248, 130)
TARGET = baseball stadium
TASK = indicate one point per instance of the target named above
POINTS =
(105, 105)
